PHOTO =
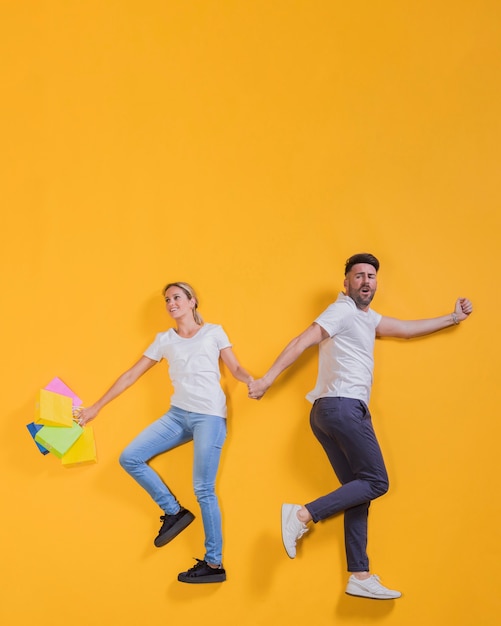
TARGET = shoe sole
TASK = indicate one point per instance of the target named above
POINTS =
(216, 578)
(367, 597)
(356, 595)
(174, 531)
(284, 520)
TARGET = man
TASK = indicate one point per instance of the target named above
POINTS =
(340, 419)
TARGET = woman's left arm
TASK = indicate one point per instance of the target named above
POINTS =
(230, 360)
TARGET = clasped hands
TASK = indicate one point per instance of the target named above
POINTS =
(257, 388)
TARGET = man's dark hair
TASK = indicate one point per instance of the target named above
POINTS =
(363, 257)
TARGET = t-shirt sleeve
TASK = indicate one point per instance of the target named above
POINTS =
(222, 338)
(154, 351)
(332, 320)
(377, 317)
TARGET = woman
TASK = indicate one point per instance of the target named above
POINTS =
(197, 412)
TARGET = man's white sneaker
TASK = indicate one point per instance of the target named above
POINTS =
(370, 588)
(292, 528)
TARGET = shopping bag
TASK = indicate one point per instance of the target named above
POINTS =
(83, 451)
(58, 439)
(57, 386)
(33, 429)
(53, 409)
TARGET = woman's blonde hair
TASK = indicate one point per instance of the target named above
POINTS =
(191, 295)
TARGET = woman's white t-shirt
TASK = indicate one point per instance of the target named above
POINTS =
(346, 358)
(194, 368)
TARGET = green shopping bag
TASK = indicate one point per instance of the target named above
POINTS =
(59, 439)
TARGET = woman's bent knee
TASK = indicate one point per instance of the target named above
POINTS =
(126, 461)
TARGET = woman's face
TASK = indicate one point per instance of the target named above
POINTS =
(178, 303)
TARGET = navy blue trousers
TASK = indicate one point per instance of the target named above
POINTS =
(343, 426)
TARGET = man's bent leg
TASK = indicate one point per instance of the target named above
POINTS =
(344, 429)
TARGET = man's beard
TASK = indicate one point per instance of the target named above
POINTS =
(363, 300)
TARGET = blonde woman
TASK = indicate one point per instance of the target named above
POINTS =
(197, 413)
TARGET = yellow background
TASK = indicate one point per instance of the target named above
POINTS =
(249, 147)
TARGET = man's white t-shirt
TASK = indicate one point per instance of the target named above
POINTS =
(346, 358)
(194, 368)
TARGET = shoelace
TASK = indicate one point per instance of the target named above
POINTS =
(164, 519)
(199, 563)
(373, 583)
(302, 531)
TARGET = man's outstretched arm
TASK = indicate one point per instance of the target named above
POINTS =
(312, 336)
(407, 329)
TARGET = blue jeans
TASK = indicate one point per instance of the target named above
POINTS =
(176, 427)
(343, 426)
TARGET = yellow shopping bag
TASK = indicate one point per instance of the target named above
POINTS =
(83, 451)
(53, 409)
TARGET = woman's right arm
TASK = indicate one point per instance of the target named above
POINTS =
(122, 383)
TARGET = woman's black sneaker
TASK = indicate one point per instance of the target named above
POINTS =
(172, 526)
(203, 573)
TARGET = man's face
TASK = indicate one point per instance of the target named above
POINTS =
(361, 284)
